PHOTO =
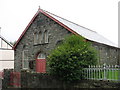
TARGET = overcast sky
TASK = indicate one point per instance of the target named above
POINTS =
(98, 15)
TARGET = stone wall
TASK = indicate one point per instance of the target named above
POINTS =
(6, 78)
(41, 23)
(56, 33)
(42, 80)
(118, 56)
(107, 54)
(38, 80)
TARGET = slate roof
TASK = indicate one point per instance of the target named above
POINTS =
(86, 33)
(72, 27)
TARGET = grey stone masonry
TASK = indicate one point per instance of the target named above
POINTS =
(56, 33)
(41, 23)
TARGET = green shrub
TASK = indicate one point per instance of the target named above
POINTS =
(69, 58)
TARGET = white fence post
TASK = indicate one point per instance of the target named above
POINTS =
(89, 72)
(99, 69)
(104, 69)
(112, 72)
(105, 72)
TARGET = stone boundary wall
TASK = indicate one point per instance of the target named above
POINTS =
(38, 80)
(44, 80)
(6, 78)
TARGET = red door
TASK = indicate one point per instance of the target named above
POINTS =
(41, 63)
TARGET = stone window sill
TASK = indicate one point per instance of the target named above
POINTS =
(41, 44)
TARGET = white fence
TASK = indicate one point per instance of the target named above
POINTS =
(103, 72)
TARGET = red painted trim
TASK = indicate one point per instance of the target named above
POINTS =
(59, 22)
(25, 30)
(47, 16)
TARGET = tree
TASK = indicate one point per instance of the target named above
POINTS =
(69, 58)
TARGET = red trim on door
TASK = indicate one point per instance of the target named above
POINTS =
(41, 65)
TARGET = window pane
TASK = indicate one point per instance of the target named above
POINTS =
(41, 56)
(40, 37)
(34, 38)
(25, 62)
(25, 55)
(46, 36)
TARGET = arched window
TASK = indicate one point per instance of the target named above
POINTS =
(40, 38)
(41, 56)
(35, 38)
(46, 36)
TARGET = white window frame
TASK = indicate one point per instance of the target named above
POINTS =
(40, 37)
(35, 38)
(23, 59)
(46, 36)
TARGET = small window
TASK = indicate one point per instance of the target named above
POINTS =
(25, 63)
(40, 35)
(35, 38)
(46, 36)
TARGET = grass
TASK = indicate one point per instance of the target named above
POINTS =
(108, 74)
(113, 75)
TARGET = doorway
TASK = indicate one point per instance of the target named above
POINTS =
(41, 63)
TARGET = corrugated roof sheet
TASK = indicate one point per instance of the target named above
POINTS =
(86, 33)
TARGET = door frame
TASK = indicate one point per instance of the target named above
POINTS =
(40, 60)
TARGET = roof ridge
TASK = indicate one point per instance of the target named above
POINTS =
(69, 21)
(53, 15)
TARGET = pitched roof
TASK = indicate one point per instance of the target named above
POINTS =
(72, 27)
(6, 41)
